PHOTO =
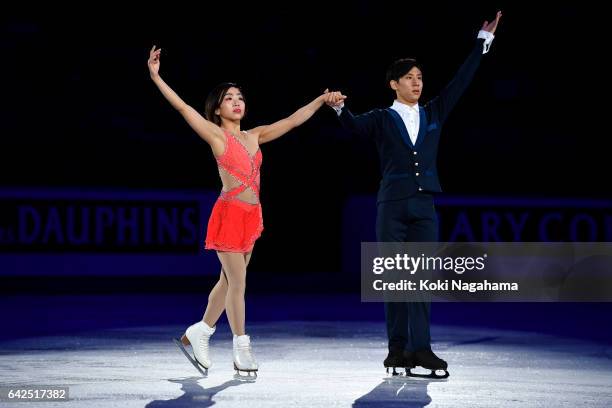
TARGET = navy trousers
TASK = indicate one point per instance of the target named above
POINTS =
(413, 219)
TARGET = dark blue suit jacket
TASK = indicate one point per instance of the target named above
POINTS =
(407, 168)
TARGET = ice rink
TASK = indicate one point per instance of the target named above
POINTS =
(310, 364)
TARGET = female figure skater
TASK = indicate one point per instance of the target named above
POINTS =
(236, 219)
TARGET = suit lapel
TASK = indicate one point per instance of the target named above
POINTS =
(422, 126)
(399, 124)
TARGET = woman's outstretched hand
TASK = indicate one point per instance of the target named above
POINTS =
(334, 98)
(153, 62)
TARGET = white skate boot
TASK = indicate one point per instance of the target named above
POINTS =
(197, 335)
(243, 358)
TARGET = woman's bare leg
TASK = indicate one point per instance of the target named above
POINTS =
(234, 265)
(216, 301)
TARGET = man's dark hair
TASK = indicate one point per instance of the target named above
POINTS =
(400, 68)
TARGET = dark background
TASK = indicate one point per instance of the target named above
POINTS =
(79, 109)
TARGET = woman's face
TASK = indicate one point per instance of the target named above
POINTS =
(232, 105)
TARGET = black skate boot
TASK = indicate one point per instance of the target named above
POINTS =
(399, 358)
(427, 359)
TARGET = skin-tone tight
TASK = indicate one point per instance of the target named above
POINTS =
(228, 292)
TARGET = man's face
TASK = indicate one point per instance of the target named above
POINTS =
(409, 87)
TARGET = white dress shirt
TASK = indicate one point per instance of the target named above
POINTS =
(410, 117)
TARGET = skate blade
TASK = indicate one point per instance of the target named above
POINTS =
(392, 372)
(202, 370)
(246, 378)
(245, 375)
(433, 375)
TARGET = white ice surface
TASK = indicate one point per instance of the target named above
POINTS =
(310, 364)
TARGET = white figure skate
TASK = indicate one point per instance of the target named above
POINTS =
(243, 357)
(197, 335)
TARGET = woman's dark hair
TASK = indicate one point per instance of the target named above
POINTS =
(400, 68)
(215, 98)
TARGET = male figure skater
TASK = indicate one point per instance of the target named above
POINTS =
(407, 136)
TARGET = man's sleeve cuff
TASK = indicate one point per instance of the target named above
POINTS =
(488, 39)
(339, 108)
